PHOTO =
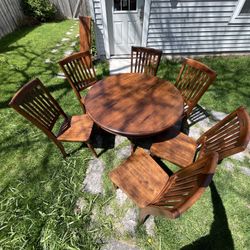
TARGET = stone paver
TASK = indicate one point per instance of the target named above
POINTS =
(121, 197)
(73, 44)
(239, 156)
(150, 226)
(93, 180)
(119, 65)
(61, 75)
(68, 52)
(129, 221)
(68, 33)
(65, 39)
(119, 140)
(48, 60)
(245, 170)
(228, 165)
(124, 153)
(54, 51)
(217, 116)
(81, 203)
(119, 245)
(195, 132)
(109, 211)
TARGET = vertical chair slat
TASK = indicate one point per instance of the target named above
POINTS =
(79, 71)
(145, 60)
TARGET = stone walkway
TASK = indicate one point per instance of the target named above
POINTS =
(70, 41)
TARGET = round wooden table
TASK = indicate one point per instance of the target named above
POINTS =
(134, 105)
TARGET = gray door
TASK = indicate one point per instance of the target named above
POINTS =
(125, 19)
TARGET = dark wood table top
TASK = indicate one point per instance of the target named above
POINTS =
(134, 104)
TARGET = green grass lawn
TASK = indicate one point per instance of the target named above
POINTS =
(39, 189)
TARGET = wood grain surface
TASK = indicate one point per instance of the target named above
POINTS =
(134, 104)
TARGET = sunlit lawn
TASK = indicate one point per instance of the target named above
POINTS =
(39, 190)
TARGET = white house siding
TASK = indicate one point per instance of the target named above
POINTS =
(196, 27)
(98, 27)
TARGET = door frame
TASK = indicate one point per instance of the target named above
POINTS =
(106, 37)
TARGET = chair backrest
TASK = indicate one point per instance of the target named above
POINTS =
(186, 186)
(229, 136)
(193, 80)
(145, 60)
(85, 33)
(79, 70)
(36, 104)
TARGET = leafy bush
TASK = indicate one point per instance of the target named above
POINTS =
(42, 10)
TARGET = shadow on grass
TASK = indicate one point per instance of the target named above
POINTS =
(220, 236)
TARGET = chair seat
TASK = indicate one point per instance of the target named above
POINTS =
(175, 147)
(78, 129)
(140, 177)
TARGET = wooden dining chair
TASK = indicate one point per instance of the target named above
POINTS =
(145, 60)
(157, 193)
(80, 73)
(229, 136)
(37, 105)
(193, 80)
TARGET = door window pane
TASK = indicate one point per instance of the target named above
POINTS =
(245, 11)
(132, 4)
(125, 4)
(117, 5)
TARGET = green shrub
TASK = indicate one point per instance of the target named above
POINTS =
(42, 10)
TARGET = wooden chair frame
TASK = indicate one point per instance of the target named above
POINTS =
(229, 136)
(80, 73)
(145, 60)
(173, 195)
(193, 80)
(36, 104)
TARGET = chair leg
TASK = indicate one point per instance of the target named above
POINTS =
(143, 215)
(83, 108)
(92, 149)
(60, 146)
